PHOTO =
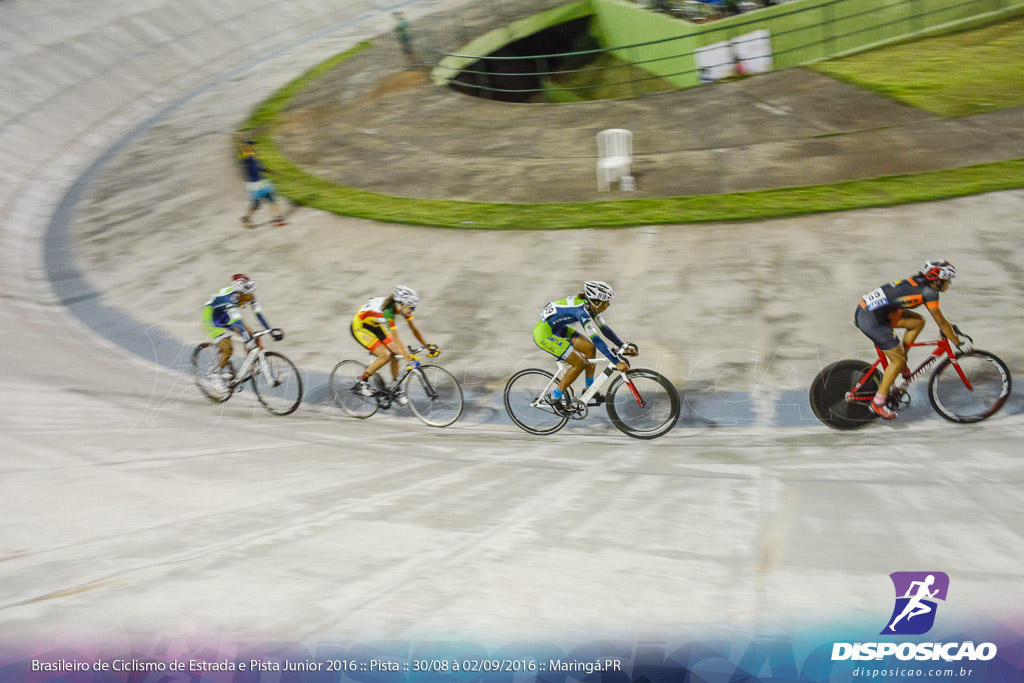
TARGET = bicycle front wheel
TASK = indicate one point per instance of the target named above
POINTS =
(645, 406)
(523, 395)
(278, 384)
(434, 395)
(345, 389)
(988, 390)
(206, 372)
(828, 394)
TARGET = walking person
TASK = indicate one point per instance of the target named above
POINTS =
(405, 40)
(257, 185)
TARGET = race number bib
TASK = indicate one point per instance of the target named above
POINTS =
(875, 299)
(549, 311)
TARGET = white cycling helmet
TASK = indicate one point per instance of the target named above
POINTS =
(405, 296)
(243, 283)
(595, 290)
(938, 270)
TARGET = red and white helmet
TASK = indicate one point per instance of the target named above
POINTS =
(938, 270)
(243, 284)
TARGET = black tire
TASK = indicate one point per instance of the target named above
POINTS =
(522, 393)
(828, 394)
(655, 417)
(204, 359)
(280, 393)
(434, 394)
(990, 387)
(344, 378)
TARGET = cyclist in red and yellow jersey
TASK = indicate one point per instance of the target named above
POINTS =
(374, 328)
(887, 307)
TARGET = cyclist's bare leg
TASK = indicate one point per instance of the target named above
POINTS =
(576, 363)
(383, 356)
(897, 358)
(587, 348)
(225, 352)
(913, 323)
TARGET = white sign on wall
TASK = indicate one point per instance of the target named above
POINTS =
(750, 53)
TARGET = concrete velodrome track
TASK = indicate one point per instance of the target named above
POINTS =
(129, 506)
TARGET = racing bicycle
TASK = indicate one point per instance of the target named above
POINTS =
(433, 393)
(275, 379)
(969, 387)
(641, 403)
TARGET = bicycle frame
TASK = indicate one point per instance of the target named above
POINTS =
(393, 386)
(942, 348)
(258, 353)
(599, 381)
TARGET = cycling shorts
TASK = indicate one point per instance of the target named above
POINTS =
(878, 328)
(213, 332)
(546, 339)
(369, 335)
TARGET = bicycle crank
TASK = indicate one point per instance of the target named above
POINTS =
(578, 410)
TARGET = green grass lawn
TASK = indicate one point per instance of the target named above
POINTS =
(959, 74)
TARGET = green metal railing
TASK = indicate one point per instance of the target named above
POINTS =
(801, 32)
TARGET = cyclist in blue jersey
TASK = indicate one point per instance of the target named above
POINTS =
(553, 333)
(887, 307)
(221, 317)
(256, 185)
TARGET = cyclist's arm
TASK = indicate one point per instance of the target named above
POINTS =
(400, 347)
(236, 324)
(590, 328)
(944, 325)
(607, 331)
(416, 330)
(258, 310)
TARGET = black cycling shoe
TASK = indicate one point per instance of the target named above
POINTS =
(560, 407)
(596, 400)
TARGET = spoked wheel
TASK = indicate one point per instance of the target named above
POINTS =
(828, 394)
(649, 412)
(523, 395)
(989, 381)
(344, 389)
(434, 395)
(278, 384)
(205, 372)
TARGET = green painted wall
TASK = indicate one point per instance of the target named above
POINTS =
(801, 32)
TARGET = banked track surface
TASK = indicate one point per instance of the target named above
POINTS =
(131, 507)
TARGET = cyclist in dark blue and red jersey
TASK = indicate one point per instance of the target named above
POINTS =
(554, 335)
(221, 316)
(256, 185)
(887, 307)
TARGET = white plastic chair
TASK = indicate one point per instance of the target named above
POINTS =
(614, 156)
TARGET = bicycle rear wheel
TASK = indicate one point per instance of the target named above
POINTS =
(344, 383)
(828, 394)
(279, 385)
(659, 411)
(205, 365)
(522, 401)
(434, 395)
(989, 389)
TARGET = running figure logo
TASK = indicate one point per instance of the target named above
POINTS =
(916, 593)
